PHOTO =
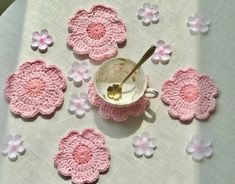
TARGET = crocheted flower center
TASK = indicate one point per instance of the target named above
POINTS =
(35, 87)
(96, 30)
(189, 93)
(82, 154)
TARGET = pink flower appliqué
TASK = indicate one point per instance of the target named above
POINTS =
(79, 105)
(162, 53)
(12, 146)
(190, 95)
(35, 88)
(148, 14)
(96, 32)
(79, 72)
(41, 40)
(82, 156)
(198, 24)
(199, 147)
(144, 145)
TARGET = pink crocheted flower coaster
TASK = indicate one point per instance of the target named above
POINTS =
(116, 113)
(190, 95)
(35, 88)
(96, 32)
(82, 156)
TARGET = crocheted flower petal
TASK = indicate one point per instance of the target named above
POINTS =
(85, 176)
(43, 47)
(197, 156)
(117, 31)
(207, 152)
(21, 108)
(44, 32)
(207, 86)
(153, 143)
(49, 40)
(148, 152)
(12, 155)
(146, 21)
(178, 111)
(79, 20)
(103, 13)
(65, 142)
(76, 40)
(186, 74)
(136, 141)
(155, 19)
(205, 106)
(34, 43)
(138, 151)
(94, 137)
(102, 156)
(36, 35)
(203, 29)
(170, 92)
(103, 52)
(64, 162)
(140, 13)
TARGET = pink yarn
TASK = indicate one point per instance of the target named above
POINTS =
(96, 32)
(82, 156)
(35, 88)
(190, 95)
(116, 113)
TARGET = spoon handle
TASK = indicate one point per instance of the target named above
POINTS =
(147, 54)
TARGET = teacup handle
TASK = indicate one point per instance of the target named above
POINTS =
(151, 93)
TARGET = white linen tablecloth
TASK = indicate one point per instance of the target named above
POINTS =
(212, 54)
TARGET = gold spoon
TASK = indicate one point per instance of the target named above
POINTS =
(115, 91)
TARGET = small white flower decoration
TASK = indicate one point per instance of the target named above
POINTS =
(144, 145)
(148, 14)
(78, 73)
(79, 105)
(41, 40)
(162, 53)
(12, 146)
(198, 24)
(199, 147)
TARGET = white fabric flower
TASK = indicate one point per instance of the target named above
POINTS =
(162, 53)
(41, 40)
(79, 105)
(199, 147)
(12, 146)
(148, 14)
(198, 24)
(78, 73)
(144, 145)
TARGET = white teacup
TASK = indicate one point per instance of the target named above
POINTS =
(113, 72)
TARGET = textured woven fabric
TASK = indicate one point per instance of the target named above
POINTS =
(212, 54)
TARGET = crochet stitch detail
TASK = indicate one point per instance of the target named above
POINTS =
(82, 156)
(96, 32)
(35, 88)
(190, 95)
(116, 113)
